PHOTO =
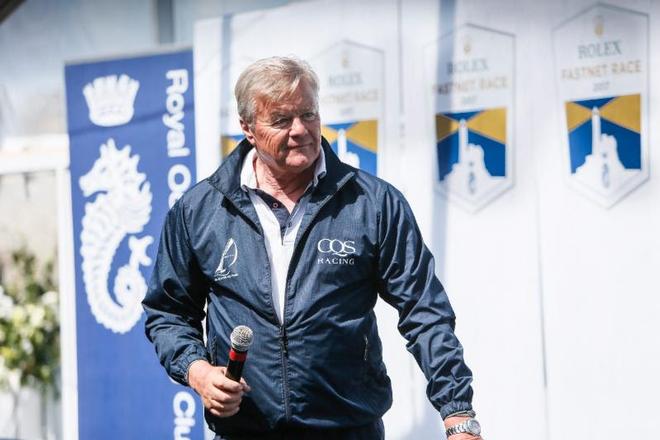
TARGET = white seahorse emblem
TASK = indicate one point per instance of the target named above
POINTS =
(122, 207)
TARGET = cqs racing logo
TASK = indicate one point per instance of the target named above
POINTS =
(335, 251)
(227, 260)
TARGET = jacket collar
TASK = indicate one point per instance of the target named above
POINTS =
(249, 174)
(227, 178)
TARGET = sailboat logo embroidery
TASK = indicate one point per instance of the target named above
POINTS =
(227, 260)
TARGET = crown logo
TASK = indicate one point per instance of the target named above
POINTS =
(467, 45)
(345, 62)
(110, 99)
(599, 26)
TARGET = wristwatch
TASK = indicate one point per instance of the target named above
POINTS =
(469, 426)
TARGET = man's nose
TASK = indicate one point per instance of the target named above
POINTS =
(297, 127)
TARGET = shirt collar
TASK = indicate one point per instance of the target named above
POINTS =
(249, 177)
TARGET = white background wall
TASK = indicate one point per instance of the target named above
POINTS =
(553, 293)
(584, 366)
(599, 267)
(488, 261)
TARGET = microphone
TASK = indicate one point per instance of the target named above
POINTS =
(241, 339)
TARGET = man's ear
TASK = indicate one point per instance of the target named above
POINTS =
(247, 131)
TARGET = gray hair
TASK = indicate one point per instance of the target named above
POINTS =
(271, 79)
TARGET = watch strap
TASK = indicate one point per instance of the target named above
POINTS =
(456, 429)
(463, 427)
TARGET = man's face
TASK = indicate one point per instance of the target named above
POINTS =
(287, 134)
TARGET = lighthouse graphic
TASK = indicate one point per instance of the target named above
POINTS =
(471, 156)
(344, 154)
(468, 175)
(605, 143)
(355, 142)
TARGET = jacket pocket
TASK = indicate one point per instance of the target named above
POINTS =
(365, 357)
(373, 368)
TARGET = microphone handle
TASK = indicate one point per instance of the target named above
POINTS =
(235, 364)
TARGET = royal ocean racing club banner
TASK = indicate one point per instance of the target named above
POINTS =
(131, 128)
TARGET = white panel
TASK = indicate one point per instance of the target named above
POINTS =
(67, 307)
(488, 260)
(206, 60)
(541, 264)
(599, 268)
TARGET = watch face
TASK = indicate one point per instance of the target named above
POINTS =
(473, 427)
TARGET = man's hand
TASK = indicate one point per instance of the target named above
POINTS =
(222, 396)
(451, 421)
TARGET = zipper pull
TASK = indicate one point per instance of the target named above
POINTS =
(366, 347)
(284, 342)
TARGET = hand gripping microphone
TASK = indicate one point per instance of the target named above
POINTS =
(241, 339)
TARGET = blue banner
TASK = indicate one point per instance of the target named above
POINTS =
(132, 145)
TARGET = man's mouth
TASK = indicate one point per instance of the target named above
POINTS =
(297, 147)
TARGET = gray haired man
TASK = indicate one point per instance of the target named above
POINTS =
(286, 239)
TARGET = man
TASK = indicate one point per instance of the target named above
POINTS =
(286, 239)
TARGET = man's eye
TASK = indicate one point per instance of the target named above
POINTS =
(281, 122)
(309, 116)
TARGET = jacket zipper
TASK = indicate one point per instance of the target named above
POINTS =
(213, 351)
(284, 349)
(284, 342)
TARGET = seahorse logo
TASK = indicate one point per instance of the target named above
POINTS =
(121, 208)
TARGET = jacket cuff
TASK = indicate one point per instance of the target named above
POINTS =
(454, 407)
(180, 370)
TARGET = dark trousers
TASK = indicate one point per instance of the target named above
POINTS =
(372, 431)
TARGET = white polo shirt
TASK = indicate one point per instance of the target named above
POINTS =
(280, 229)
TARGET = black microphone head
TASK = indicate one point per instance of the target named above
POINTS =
(241, 338)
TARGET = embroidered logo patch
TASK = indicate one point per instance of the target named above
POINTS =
(335, 251)
(227, 260)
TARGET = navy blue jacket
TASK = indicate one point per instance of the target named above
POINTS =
(323, 366)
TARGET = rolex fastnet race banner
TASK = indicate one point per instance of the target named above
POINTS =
(602, 72)
(351, 99)
(471, 72)
(132, 146)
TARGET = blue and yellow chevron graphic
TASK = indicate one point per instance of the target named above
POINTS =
(229, 142)
(486, 128)
(620, 116)
(356, 143)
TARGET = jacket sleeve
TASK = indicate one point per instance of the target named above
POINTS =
(175, 300)
(407, 281)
